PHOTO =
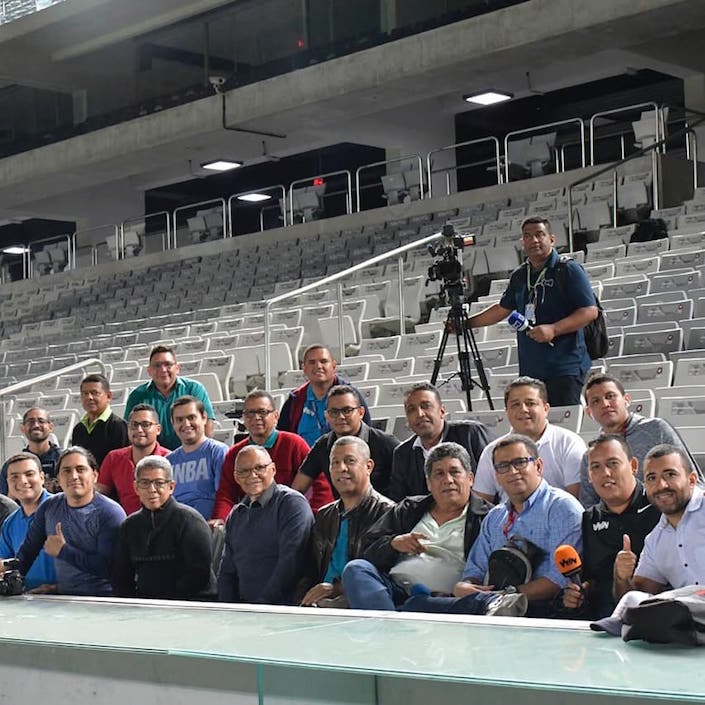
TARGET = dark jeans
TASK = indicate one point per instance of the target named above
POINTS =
(367, 588)
(564, 391)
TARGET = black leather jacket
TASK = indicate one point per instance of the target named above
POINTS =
(325, 533)
(404, 517)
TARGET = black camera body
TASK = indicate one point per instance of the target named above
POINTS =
(448, 267)
(11, 581)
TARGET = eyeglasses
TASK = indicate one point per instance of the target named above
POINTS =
(345, 411)
(247, 472)
(259, 413)
(36, 422)
(158, 485)
(144, 425)
(517, 463)
(159, 365)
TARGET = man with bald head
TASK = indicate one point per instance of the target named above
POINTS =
(339, 532)
(266, 535)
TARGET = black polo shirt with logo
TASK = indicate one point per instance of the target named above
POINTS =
(603, 533)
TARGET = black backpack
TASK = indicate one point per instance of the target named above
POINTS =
(595, 332)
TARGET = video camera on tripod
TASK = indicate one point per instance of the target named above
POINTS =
(448, 268)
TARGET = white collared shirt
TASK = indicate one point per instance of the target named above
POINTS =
(561, 451)
(676, 556)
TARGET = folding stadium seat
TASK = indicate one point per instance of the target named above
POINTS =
(40, 366)
(633, 200)
(568, 417)
(330, 334)
(686, 241)
(400, 367)
(56, 401)
(647, 337)
(690, 372)
(501, 260)
(684, 410)
(643, 375)
(628, 286)
(599, 270)
(680, 259)
(413, 295)
(416, 344)
(693, 223)
(674, 280)
(138, 353)
(615, 341)
(355, 371)
(620, 312)
(189, 367)
(64, 421)
(693, 333)
(392, 394)
(616, 236)
(127, 372)
(496, 421)
(290, 379)
(597, 253)
(191, 346)
(593, 216)
(388, 346)
(651, 247)
(212, 384)
(650, 312)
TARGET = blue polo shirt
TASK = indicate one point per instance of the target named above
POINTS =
(568, 355)
(14, 531)
(148, 393)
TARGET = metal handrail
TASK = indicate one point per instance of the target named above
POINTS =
(408, 157)
(189, 206)
(348, 198)
(57, 238)
(539, 129)
(653, 148)
(231, 198)
(396, 252)
(19, 386)
(116, 235)
(455, 146)
(143, 219)
(614, 111)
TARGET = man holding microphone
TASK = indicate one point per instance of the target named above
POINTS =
(552, 347)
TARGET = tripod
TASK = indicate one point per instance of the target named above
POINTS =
(457, 321)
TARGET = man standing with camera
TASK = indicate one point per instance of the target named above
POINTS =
(557, 306)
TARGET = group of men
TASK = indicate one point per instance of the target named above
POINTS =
(357, 519)
(315, 506)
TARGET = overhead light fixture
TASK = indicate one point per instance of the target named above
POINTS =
(221, 165)
(254, 197)
(488, 97)
(15, 250)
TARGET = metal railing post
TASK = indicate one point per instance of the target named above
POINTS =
(396, 252)
(614, 198)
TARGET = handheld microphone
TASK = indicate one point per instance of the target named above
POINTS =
(520, 323)
(568, 562)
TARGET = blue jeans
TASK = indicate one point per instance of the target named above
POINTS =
(366, 588)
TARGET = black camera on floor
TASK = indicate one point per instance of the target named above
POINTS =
(11, 581)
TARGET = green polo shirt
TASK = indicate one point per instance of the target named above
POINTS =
(148, 393)
(90, 425)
